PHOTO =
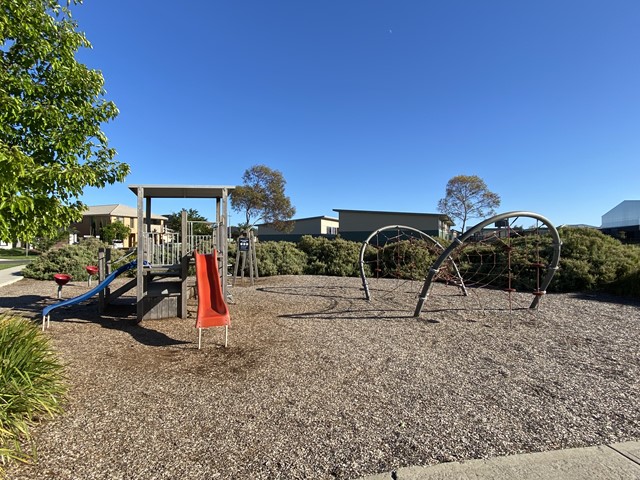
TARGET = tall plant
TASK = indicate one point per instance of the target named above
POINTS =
(31, 384)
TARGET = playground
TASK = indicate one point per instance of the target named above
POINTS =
(318, 382)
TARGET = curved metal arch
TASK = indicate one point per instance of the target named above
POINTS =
(424, 236)
(551, 270)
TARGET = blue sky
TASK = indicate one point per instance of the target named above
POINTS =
(375, 105)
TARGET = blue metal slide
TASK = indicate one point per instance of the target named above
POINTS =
(81, 298)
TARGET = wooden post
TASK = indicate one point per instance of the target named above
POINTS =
(101, 276)
(252, 249)
(184, 266)
(140, 286)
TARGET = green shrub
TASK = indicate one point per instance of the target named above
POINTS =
(407, 259)
(591, 260)
(31, 384)
(628, 285)
(69, 259)
(331, 257)
(280, 258)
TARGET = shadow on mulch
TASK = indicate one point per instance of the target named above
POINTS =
(353, 314)
(607, 298)
(25, 304)
(119, 316)
(308, 291)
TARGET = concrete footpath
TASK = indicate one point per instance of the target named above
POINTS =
(10, 275)
(615, 461)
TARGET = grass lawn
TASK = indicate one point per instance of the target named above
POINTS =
(12, 253)
(14, 257)
(13, 263)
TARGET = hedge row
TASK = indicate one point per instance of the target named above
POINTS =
(70, 259)
(590, 261)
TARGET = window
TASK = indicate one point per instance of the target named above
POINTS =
(332, 230)
(131, 220)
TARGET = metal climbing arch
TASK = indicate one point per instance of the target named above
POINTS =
(475, 234)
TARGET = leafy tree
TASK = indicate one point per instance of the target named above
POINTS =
(43, 244)
(114, 231)
(51, 143)
(174, 222)
(262, 199)
(467, 196)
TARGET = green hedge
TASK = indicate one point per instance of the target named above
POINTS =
(69, 259)
(336, 257)
(280, 258)
(592, 261)
(589, 261)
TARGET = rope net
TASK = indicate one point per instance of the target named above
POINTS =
(396, 259)
(507, 257)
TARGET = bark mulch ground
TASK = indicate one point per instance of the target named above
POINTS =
(319, 383)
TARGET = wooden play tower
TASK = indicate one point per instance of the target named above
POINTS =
(163, 257)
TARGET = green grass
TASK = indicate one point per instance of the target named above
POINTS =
(31, 385)
(15, 253)
(13, 263)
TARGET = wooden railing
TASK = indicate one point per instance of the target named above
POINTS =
(166, 248)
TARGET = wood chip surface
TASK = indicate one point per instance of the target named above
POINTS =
(319, 383)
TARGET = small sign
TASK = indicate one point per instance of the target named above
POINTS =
(243, 244)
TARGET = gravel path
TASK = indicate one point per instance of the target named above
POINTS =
(319, 383)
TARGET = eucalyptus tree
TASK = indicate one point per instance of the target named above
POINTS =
(467, 196)
(262, 198)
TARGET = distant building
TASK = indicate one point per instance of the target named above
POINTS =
(321, 226)
(357, 225)
(97, 216)
(623, 221)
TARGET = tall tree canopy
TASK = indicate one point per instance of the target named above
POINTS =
(51, 111)
(261, 198)
(467, 196)
(114, 231)
(174, 222)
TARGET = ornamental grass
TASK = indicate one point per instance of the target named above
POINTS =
(31, 385)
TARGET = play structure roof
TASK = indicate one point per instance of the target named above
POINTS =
(182, 191)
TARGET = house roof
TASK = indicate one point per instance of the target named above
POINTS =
(117, 210)
(441, 216)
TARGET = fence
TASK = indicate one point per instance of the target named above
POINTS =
(166, 248)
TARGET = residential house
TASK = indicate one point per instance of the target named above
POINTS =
(357, 225)
(623, 221)
(321, 226)
(97, 216)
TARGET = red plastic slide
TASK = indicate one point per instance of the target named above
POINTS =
(212, 309)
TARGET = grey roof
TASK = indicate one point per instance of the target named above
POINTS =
(182, 191)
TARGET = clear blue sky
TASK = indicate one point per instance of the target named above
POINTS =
(375, 105)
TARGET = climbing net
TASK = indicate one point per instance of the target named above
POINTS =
(396, 258)
(512, 252)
